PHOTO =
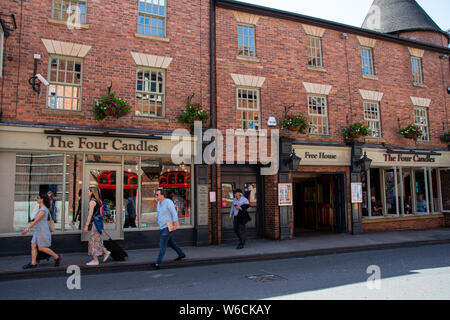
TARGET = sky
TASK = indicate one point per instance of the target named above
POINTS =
(352, 12)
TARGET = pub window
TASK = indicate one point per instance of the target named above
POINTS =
(421, 120)
(416, 66)
(227, 194)
(248, 108)
(444, 176)
(152, 18)
(314, 51)
(367, 61)
(64, 91)
(246, 41)
(63, 9)
(372, 117)
(318, 114)
(150, 93)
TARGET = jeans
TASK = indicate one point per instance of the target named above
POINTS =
(240, 230)
(165, 237)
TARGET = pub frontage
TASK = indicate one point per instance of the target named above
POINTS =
(126, 167)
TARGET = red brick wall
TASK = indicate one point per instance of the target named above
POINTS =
(111, 35)
(281, 47)
(403, 224)
(426, 36)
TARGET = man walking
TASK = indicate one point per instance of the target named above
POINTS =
(166, 213)
(239, 203)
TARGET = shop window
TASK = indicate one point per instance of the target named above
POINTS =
(373, 193)
(445, 188)
(74, 192)
(131, 194)
(35, 174)
(422, 203)
(227, 194)
(251, 193)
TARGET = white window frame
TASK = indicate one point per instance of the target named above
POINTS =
(66, 84)
(162, 94)
(421, 120)
(417, 70)
(373, 122)
(315, 59)
(73, 2)
(241, 110)
(251, 49)
(323, 117)
(367, 61)
(151, 16)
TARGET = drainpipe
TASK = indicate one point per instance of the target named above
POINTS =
(212, 18)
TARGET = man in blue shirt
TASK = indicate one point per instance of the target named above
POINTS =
(166, 212)
(240, 202)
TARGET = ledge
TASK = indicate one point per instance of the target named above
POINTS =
(319, 138)
(151, 119)
(63, 112)
(153, 38)
(420, 85)
(425, 143)
(374, 140)
(64, 23)
(248, 59)
(318, 69)
(365, 76)
(369, 220)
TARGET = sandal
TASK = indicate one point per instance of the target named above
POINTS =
(30, 266)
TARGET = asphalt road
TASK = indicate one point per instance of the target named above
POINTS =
(405, 273)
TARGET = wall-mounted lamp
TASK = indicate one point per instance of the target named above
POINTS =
(344, 36)
(293, 161)
(4, 25)
(365, 162)
(444, 56)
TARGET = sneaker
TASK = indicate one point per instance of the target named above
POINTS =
(156, 266)
(180, 257)
(29, 266)
(58, 261)
(92, 263)
(108, 253)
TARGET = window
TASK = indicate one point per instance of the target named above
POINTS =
(64, 91)
(62, 9)
(248, 108)
(421, 120)
(317, 111)
(416, 66)
(372, 117)
(152, 18)
(150, 93)
(367, 61)
(246, 41)
(314, 52)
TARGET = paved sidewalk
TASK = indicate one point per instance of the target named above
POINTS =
(308, 244)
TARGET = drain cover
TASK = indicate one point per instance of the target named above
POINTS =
(265, 278)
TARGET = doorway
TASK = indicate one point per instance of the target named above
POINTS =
(108, 179)
(319, 204)
(246, 179)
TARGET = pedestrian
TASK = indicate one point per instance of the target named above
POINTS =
(130, 213)
(239, 203)
(166, 213)
(42, 237)
(77, 216)
(52, 197)
(94, 224)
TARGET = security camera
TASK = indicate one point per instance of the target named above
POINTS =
(42, 79)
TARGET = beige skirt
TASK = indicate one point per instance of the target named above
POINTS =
(95, 246)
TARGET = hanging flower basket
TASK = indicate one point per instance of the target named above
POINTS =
(411, 132)
(110, 105)
(193, 112)
(298, 123)
(446, 137)
(355, 131)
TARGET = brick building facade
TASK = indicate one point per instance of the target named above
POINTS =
(230, 56)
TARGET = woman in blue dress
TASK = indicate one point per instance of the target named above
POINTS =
(42, 237)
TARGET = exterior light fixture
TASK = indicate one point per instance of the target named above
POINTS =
(365, 162)
(293, 161)
(444, 56)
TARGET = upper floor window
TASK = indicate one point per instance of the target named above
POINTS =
(416, 66)
(152, 18)
(150, 92)
(63, 9)
(421, 120)
(248, 108)
(246, 41)
(64, 91)
(318, 114)
(314, 52)
(367, 61)
(372, 117)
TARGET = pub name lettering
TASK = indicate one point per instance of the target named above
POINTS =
(85, 144)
